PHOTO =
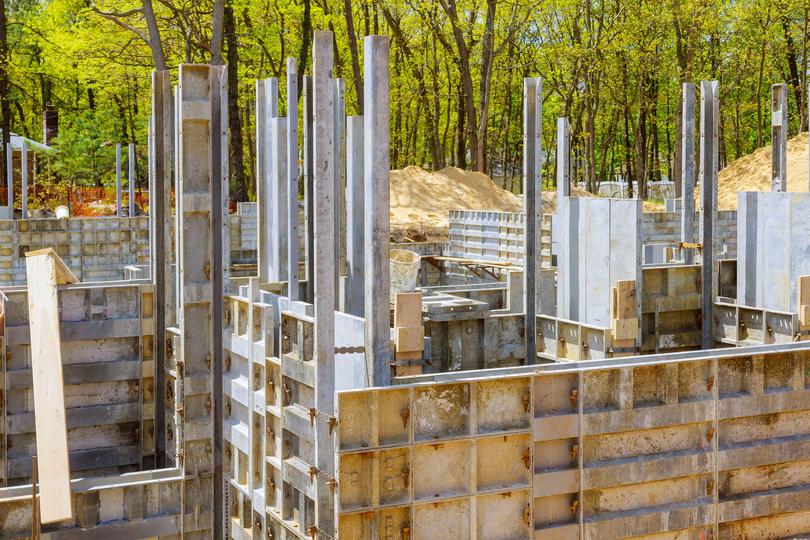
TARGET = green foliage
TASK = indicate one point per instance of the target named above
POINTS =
(84, 152)
(614, 67)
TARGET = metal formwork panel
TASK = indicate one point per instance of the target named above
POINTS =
(498, 236)
(249, 412)
(698, 447)
(107, 334)
(448, 460)
(95, 249)
(199, 295)
(495, 236)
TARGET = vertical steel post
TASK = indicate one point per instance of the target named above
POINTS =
(376, 164)
(324, 308)
(131, 178)
(355, 217)
(779, 127)
(532, 204)
(688, 172)
(118, 179)
(292, 179)
(709, 105)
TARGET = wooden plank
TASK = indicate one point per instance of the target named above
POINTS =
(625, 299)
(63, 274)
(42, 270)
(476, 262)
(623, 321)
(624, 329)
(410, 338)
(409, 334)
(408, 309)
(804, 301)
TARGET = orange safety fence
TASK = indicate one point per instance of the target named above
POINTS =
(83, 200)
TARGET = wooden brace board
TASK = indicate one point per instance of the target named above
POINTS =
(43, 272)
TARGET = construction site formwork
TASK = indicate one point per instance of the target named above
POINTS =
(205, 404)
(498, 236)
(141, 368)
(692, 443)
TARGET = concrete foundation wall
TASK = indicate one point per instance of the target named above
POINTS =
(98, 249)
(95, 249)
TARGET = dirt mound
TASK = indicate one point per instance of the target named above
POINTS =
(422, 197)
(753, 172)
(421, 200)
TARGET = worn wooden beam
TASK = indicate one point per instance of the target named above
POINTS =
(42, 273)
(63, 274)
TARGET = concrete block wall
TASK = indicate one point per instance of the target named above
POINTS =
(244, 233)
(98, 249)
(95, 249)
(665, 228)
(494, 236)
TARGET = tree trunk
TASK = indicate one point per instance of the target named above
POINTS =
(155, 43)
(487, 57)
(306, 36)
(461, 147)
(466, 90)
(358, 77)
(795, 83)
(5, 103)
(437, 151)
(240, 190)
(417, 69)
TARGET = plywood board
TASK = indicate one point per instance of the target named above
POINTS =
(49, 401)
(625, 297)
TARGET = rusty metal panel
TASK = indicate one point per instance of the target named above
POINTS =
(445, 460)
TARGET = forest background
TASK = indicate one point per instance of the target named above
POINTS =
(614, 67)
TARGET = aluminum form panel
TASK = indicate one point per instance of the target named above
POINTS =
(617, 452)
(774, 238)
(109, 380)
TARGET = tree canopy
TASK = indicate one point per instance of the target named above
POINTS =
(614, 67)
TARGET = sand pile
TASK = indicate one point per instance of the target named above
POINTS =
(421, 196)
(421, 201)
(753, 172)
